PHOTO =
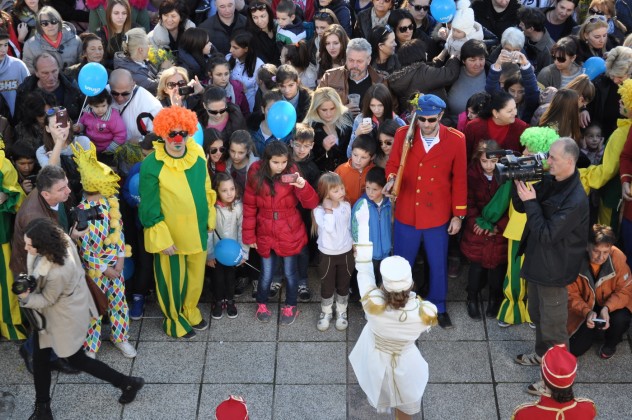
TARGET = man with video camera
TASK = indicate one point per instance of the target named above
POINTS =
(553, 244)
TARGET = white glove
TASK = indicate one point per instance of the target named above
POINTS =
(364, 247)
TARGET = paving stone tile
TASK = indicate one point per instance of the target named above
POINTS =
(463, 361)
(258, 398)
(510, 395)
(467, 401)
(81, 401)
(310, 402)
(164, 401)
(304, 328)
(456, 287)
(612, 400)
(505, 368)
(592, 368)
(174, 363)
(513, 333)
(245, 327)
(151, 329)
(12, 366)
(17, 401)
(465, 328)
(356, 321)
(109, 355)
(311, 363)
(237, 362)
(358, 407)
(351, 377)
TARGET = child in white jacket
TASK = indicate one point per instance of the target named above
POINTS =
(463, 28)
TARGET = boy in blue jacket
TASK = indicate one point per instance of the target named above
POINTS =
(380, 218)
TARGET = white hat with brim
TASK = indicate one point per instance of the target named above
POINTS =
(396, 274)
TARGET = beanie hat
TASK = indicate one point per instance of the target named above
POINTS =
(396, 274)
(559, 367)
(464, 17)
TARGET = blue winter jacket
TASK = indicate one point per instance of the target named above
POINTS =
(380, 232)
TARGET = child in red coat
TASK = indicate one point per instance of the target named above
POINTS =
(486, 250)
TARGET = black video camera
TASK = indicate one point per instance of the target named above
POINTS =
(23, 283)
(83, 216)
(510, 166)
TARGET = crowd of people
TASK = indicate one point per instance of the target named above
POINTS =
(401, 120)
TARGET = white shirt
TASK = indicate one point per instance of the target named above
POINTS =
(334, 229)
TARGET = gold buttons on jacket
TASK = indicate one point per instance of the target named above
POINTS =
(417, 191)
(416, 204)
(418, 178)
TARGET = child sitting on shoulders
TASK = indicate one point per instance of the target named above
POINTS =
(463, 28)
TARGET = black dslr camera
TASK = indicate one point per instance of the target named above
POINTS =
(510, 166)
(83, 216)
(23, 283)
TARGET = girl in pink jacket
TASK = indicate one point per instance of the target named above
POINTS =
(102, 124)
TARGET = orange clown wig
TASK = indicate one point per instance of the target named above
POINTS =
(168, 119)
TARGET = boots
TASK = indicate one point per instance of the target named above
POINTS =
(493, 305)
(341, 312)
(130, 388)
(42, 411)
(473, 309)
(325, 314)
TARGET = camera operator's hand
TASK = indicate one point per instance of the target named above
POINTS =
(605, 315)
(525, 192)
(589, 319)
(170, 251)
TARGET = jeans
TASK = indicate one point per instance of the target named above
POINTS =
(290, 268)
(303, 266)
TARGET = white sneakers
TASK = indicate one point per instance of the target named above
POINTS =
(126, 348)
(341, 321)
(324, 321)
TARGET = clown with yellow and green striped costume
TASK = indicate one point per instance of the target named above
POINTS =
(11, 197)
(177, 211)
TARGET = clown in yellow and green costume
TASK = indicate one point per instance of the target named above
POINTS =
(102, 248)
(177, 212)
(513, 309)
(11, 197)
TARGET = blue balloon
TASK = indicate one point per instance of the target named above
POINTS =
(281, 119)
(134, 183)
(198, 136)
(228, 252)
(443, 10)
(128, 268)
(92, 79)
(594, 67)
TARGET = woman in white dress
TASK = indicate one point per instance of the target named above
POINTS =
(388, 365)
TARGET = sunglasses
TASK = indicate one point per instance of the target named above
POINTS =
(180, 83)
(52, 111)
(430, 120)
(387, 142)
(182, 133)
(258, 7)
(322, 16)
(403, 29)
(420, 8)
(559, 59)
(214, 150)
(597, 18)
(115, 93)
(595, 12)
(387, 30)
(218, 112)
(45, 23)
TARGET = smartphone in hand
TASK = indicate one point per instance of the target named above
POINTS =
(62, 117)
(289, 178)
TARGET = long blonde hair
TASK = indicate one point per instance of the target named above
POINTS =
(319, 97)
(326, 182)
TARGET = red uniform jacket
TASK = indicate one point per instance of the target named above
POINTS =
(434, 187)
(625, 170)
(476, 130)
(274, 222)
(549, 409)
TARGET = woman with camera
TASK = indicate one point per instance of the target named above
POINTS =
(61, 301)
(600, 300)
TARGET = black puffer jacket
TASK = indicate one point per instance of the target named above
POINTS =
(485, 14)
(73, 98)
(556, 234)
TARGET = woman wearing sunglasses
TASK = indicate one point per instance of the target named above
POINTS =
(593, 37)
(220, 114)
(564, 68)
(619, 22)
(385, 137)
(171, 81)
(216, 152)
(403, 25)
(420, 10)
(376, 15)
(55, 37)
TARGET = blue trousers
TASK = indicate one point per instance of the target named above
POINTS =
(407, 242)
(290, 269)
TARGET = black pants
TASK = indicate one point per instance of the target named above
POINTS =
(582, 340)
(478, 277)
(335, 272)
(223, 282)
(79, 360)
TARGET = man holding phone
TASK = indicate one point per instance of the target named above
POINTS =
(600, 300)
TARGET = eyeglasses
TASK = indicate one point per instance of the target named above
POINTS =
(45, 23)
(430, 120)
(559, 58)
(595, 12)
(182, 133)
(403, 29)
(597, 18)
(420, 8)
(218, 112)
(386, 143)
(115, 93)
(258, 7)
(180, 83)
(214, 150)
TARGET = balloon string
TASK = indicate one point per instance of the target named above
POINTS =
(82, 108)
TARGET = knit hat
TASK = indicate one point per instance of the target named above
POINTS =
(559, 367)
(464, 17)
(396, 274)
(95, 176)
(234, 408)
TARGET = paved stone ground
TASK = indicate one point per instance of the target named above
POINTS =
(297, 372)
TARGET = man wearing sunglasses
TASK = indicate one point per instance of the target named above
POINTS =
(432, 199)
(420, 9)
(131, 101)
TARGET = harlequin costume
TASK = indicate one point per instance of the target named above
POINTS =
(177, 208)
(513, 309)
(433, 190)
(103, 245)
(10, 318)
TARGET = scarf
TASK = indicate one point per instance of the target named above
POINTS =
(379, 21)
(230, 93)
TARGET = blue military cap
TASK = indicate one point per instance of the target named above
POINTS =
(428, 105)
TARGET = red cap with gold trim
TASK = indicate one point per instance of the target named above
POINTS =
(559, 367)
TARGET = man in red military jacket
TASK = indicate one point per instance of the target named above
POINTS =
(432, 199)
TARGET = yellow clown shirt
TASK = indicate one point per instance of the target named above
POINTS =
(176, 200)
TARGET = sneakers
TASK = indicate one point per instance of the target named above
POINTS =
(274, 289)
(263, 313)
(304, 294)
(530, 359)
(255, 283)
(231, 309)
(137, 307)
(201, 326)
(538, 388)
(288, 315)
(341, 321)
(191, 334)
(532, 325)
(126, 348)
(606, 352)
(130, 389)
(324, 320)
(217, 311)
(240, 287)
(503, 324)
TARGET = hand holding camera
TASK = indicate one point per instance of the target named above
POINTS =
(23, 285)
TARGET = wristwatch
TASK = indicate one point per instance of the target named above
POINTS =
(461, 217)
